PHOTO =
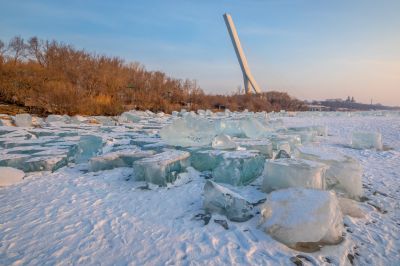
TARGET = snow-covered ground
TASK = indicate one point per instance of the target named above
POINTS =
(73, 216)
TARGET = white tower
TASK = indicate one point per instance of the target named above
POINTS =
(249, 81)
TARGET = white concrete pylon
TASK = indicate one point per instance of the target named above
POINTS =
(248, 79)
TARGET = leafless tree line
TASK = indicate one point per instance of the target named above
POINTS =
(52, 77)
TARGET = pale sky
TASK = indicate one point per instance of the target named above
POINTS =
(310, 49)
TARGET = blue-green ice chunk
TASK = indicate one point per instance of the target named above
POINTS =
(46, 163)
(264, 146)
(206, 160)
(88, 147)
(161, 168)
(239, 167)
(220, 199)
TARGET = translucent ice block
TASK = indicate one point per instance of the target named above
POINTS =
(286, 173)
(129, 117)
(222, 200)
(206, 160)
(252, 128)
(88, 146)
(45, 163)
(318, 129)
(299, 217)
(239, 167)
(264, 146)
(23, 120)
(106, 120)
(230, 127)
(366, 140)
(278, 140)
(223, 142)
(343, 174)
(13, 160)
(161, 168)
(123, 158)
(189, 131)
(283, 145)
(57, 119)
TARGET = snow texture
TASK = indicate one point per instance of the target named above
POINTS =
(10, 176)
(73, 216)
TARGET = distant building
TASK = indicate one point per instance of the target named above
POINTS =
(317, 108)
(334, 100)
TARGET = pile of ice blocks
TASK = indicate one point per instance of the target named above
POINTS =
(305, 184)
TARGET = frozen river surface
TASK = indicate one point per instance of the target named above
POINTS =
(70, 210)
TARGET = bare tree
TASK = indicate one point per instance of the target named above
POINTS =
(17, 46)
(36, 50)
(3, 48)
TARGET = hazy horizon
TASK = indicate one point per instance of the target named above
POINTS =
(312, 50)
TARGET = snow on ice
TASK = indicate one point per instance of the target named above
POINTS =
(10, 176)
(200, 188)
(302, 217)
